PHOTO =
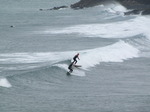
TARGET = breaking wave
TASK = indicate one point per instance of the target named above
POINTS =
(113, 53)
(120, 29)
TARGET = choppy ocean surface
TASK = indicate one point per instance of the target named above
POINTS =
(35, 54)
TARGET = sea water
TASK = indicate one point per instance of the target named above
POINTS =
(36, 48)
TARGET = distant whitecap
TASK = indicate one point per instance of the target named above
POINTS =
(5, 83)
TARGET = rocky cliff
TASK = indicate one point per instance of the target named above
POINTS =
(142, 6)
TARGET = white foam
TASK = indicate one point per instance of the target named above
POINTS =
(5, 83)
(117, 52)
(12, 58)
(25, 61)
(116, 8)
(121, 29)
(119, 8)
(113, 53)
(78, 73)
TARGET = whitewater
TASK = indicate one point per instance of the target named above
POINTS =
(35, 54)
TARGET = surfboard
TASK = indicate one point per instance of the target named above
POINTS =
(76, 72)
(68, 73)
(77, 65)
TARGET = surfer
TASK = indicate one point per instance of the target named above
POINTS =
(70, 67)
(75, 58)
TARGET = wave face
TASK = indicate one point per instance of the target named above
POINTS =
(116, 38)
(113, 53)
(36, 48)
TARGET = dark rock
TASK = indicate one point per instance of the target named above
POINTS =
(86, 3)
(54, 8)
(57, 8)
(12, 26)
(137, 6)
(146, 12)
(132, 12)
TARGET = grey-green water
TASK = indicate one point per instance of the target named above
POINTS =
(35, 53)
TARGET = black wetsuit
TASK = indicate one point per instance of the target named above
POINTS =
(75, 58)
(70, 67)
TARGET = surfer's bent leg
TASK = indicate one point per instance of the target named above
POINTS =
(71, 70)
(75, 61)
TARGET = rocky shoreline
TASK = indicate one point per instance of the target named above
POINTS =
(136, 6)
